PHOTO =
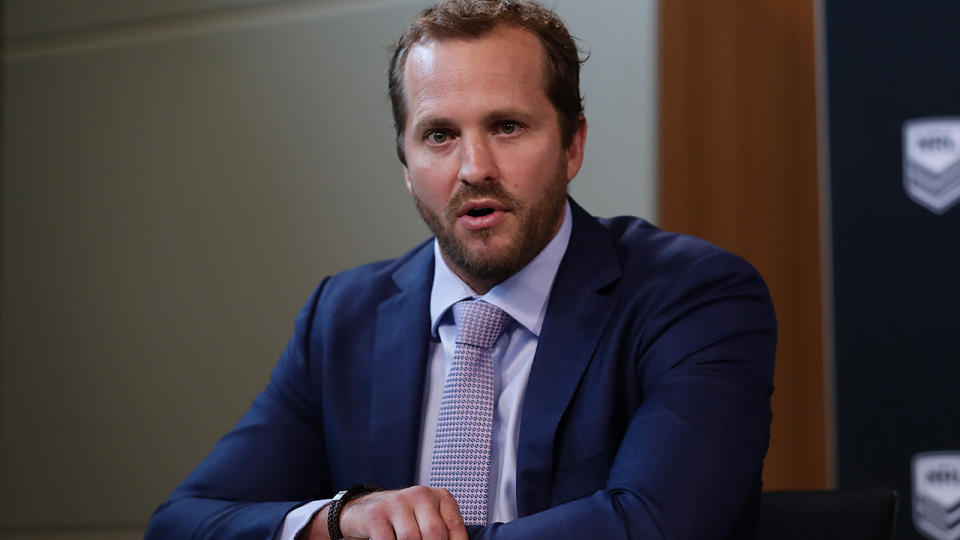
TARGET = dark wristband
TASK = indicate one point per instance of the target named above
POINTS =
(339, 501)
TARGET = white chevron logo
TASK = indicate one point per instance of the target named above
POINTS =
(931, 162)
(936, 494)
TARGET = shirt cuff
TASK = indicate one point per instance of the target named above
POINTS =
(298, 518)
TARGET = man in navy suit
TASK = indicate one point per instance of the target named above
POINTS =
(632, 376)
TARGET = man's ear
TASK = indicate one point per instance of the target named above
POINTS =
(575, 150)
(406, 178)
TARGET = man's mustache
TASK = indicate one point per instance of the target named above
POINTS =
(488, 190)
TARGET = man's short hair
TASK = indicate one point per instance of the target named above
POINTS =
(464, 19)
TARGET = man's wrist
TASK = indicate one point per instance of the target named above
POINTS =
(296, 524)
(316, 528)
(338, 503)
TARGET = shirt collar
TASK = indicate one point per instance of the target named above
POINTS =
(523, 295)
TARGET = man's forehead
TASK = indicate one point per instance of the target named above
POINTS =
(439, 89)
(504, 57)
(428, 51)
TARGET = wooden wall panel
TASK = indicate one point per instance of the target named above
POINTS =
(738, 166)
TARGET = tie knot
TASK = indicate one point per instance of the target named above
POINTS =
(478, 323)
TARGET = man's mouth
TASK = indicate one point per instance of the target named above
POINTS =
(481, 207)
(478, 212)
(481, 214)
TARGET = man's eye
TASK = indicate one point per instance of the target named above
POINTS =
(508, 128)
(437, 137)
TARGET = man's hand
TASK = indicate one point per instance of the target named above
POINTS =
(415, 513)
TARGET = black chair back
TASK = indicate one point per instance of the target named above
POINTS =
(863, 514)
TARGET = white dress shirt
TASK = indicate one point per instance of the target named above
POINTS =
(524, 297)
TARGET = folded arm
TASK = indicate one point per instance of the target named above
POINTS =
(689, 463)
(272, 461)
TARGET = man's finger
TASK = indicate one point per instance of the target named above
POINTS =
(432, 525)
(405, 524)
(450, 514)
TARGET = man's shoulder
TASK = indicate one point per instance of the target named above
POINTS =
(640, 244)
(652, 266)
(663, 275)
(380, 279)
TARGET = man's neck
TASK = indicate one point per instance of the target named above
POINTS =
(481, 285)
(523, 295)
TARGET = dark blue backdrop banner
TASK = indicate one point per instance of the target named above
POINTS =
(893, 80)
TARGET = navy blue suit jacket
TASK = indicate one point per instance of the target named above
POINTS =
(646, 415)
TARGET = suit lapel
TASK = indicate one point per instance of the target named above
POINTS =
(576, 317)
(399, 362)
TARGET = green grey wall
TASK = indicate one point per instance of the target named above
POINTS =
(177, 177)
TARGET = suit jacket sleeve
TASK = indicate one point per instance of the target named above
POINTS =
(679, 386)
(688, 464)
(271, 462)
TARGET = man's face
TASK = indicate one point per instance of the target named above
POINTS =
(485, 163)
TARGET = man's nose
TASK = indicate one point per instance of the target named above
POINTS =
(477, 160)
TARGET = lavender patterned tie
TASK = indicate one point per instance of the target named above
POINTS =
(461, 452)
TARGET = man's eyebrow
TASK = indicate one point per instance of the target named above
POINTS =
(436, 122)
(431, 122)
(508, 114)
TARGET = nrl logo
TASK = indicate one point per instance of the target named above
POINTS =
(936, 494)
(931, 162)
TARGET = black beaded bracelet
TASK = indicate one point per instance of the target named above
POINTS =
(339, 501)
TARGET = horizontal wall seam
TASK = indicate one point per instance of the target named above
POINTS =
(180, 25)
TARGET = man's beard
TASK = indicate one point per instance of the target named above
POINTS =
(536, 226)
